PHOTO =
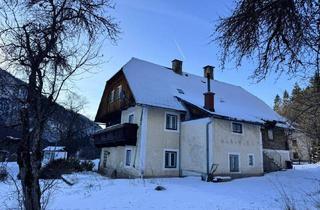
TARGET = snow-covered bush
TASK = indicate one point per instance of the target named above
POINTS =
(87, 165)
(55, 168)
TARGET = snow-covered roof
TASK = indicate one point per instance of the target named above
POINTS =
(54, 148)
(156, 85)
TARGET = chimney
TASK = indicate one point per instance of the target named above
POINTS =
(209, 101)
(208, 71)
(177, 66)
(208, 96)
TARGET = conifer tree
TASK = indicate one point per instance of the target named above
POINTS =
(277, 103)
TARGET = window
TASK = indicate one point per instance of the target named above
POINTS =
(294, 143)
(270, 134)
(251, 160)
(171, 122)
(105, 158)
(234, 163)
(180, 91)
(47, 155)
(170, 159)
(131, 118)
(111, 96)
(237, 127)
(128, 157)
(117, 93)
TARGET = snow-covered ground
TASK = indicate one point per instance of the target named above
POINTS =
(92, 191)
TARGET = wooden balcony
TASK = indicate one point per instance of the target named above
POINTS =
(117, 135)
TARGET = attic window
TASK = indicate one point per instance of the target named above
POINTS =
(237, 127)
(270, 134)
(180, 91)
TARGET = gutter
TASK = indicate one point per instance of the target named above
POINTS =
(207, 144)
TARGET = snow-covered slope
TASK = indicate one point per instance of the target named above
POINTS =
(157, 85)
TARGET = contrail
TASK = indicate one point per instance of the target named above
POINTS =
(179, 49)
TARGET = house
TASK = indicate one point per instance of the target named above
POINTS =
(162, 121)
(300, 146)
(53, 153)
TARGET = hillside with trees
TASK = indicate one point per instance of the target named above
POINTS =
(66, 126)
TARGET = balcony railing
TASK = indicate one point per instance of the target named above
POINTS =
(117, 135)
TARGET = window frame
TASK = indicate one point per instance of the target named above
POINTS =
(177, 122)
(242, 128)
(117, 93)
(131, 114)
(172, 151)
(111, 96)
(253, 160)
(126, 156)
(180, 91)
(270, 131)
(239, 163)
(105, 154)
(294, 143)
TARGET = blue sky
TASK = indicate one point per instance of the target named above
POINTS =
(161, 30)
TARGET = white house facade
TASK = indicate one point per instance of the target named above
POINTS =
(162, 122)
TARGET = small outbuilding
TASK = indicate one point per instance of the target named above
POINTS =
(53, 153)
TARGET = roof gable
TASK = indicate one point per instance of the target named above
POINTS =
(106, 110)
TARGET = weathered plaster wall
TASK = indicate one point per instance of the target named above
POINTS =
(193, 146)
(222, 142)
(302, 147)
(226, 142)
(116, 157)
(116, 162)
(159, 139)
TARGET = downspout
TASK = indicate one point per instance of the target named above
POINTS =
(207, 144)
(139, 168)
(143, 138)
(180, 168)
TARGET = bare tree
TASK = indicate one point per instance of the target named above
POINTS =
(72, 128)
(283, 36)
(46, 42)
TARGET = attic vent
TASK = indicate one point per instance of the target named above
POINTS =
(186, 75)
(180, 91)
(203, 81)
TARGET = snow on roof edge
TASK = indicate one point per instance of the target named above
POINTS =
(139, 73)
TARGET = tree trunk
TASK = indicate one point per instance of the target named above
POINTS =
(30, 185)
(29, 160)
